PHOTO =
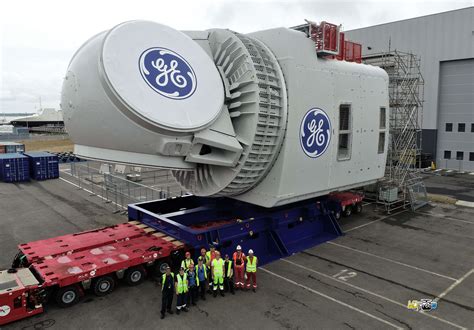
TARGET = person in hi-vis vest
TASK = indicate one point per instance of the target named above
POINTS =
(167, 292)
(181, 291)
(251, 270)
(239, 267)
(187, 262)
(228, 275)
(202, 276)
(210, 256)
(217, 267)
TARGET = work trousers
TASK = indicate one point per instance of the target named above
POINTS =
(202, 289)
(192, 295)
(239, 276)
(181, 300)
(251, 276)
(166, 300)
(218, 281)
(228, 285)
(211, 281)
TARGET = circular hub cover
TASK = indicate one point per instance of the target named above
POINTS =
(162, 76)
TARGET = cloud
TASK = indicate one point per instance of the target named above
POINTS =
(38, 38)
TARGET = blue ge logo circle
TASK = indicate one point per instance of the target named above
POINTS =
(315, 132)
(167, 73)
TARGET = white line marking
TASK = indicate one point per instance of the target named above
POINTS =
(464, 203)
(452, 286)
(371, 293)
(90, 192)
(371, 222)
(332, 299)
(393, 261)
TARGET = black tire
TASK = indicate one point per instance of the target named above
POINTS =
(358, 208)
(159, 268)
(337, 215)
(134, 276)
(67, 296)
(103, 286)
(348, 211)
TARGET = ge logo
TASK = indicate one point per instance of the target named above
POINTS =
(315, 132)
(167, 73)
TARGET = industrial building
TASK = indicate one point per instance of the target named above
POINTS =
(444, 43)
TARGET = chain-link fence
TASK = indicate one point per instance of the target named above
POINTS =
(120, 185)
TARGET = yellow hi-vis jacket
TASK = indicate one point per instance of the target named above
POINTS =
(163, 279)
(252, 264)
(181, 283)
(186, 263)
(218, 267)
(196, 270)
(228, 271)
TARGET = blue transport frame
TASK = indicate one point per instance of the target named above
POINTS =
(272, 233)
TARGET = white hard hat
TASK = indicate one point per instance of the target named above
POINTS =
(250, 251)
(239, 247)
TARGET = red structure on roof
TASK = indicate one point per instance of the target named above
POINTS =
(330, 42)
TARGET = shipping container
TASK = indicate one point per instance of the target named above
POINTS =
(14, 167)
(2, 149)
(12, 147)
(43, 165)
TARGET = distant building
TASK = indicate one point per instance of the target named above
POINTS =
(445, 44)
(48, 117)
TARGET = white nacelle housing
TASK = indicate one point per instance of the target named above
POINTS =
(256, 117)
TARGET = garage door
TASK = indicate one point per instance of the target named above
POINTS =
(456, 115)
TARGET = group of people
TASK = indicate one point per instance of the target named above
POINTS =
(211, 274)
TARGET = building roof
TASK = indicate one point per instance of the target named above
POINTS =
(46, 115)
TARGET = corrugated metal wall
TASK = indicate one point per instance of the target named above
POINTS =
(435, 38)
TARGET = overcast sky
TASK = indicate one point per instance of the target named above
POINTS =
(38, 38)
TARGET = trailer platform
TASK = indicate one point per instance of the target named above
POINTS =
(272, 233)
(73, 258)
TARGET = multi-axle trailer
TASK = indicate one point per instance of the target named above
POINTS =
(63, 268)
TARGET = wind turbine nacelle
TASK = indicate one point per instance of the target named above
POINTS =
(257, 117)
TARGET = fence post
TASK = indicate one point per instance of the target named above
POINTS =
(104, 186)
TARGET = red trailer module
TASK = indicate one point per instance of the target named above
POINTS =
(18, 291)
(63, 267)
(345, 203)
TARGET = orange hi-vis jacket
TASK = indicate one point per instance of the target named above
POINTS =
(239, 261)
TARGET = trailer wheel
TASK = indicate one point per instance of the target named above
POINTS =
(67, 296)
(159, 268)
(134, 276)
(358, 208)
(348, 211)
(103, 286)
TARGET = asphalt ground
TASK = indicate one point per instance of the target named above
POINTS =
(450, 183)
(362, 280)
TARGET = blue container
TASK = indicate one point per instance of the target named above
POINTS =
(43, 165)
(14, 168)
